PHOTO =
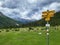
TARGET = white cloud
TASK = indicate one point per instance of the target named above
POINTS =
(1, 3)
(55, 6)
(32, 1)
(21, 8)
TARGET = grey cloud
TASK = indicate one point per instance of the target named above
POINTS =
(26, 10)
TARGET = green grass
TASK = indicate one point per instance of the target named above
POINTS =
(25, 37)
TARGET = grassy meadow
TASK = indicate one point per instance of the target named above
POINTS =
(26, 36)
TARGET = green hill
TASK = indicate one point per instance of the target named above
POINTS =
(6, 22)
(54, 21)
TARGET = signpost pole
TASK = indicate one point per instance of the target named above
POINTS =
(47, 15)
(47, 33)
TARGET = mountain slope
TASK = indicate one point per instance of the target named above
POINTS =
(54, 21)
(6, 22)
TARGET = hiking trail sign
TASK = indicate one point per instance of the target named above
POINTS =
(48, 14)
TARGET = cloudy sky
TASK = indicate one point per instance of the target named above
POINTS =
(27, 9)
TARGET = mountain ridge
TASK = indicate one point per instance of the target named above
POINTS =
(6, 22)
(55, 21)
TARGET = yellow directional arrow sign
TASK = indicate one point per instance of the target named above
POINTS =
(51, 13)
(47, 14)
(44, 14)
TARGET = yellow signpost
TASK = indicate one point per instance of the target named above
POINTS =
(47, 16)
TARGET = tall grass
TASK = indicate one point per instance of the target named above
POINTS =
(32, 37)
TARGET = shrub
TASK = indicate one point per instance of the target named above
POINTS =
(7, 30)
(16, 29)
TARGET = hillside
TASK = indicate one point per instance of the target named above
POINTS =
(6, 22)
(54, 21)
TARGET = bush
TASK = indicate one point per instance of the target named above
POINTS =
(7, 30)
(30, 28)
(16, 29)
(0, 31)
